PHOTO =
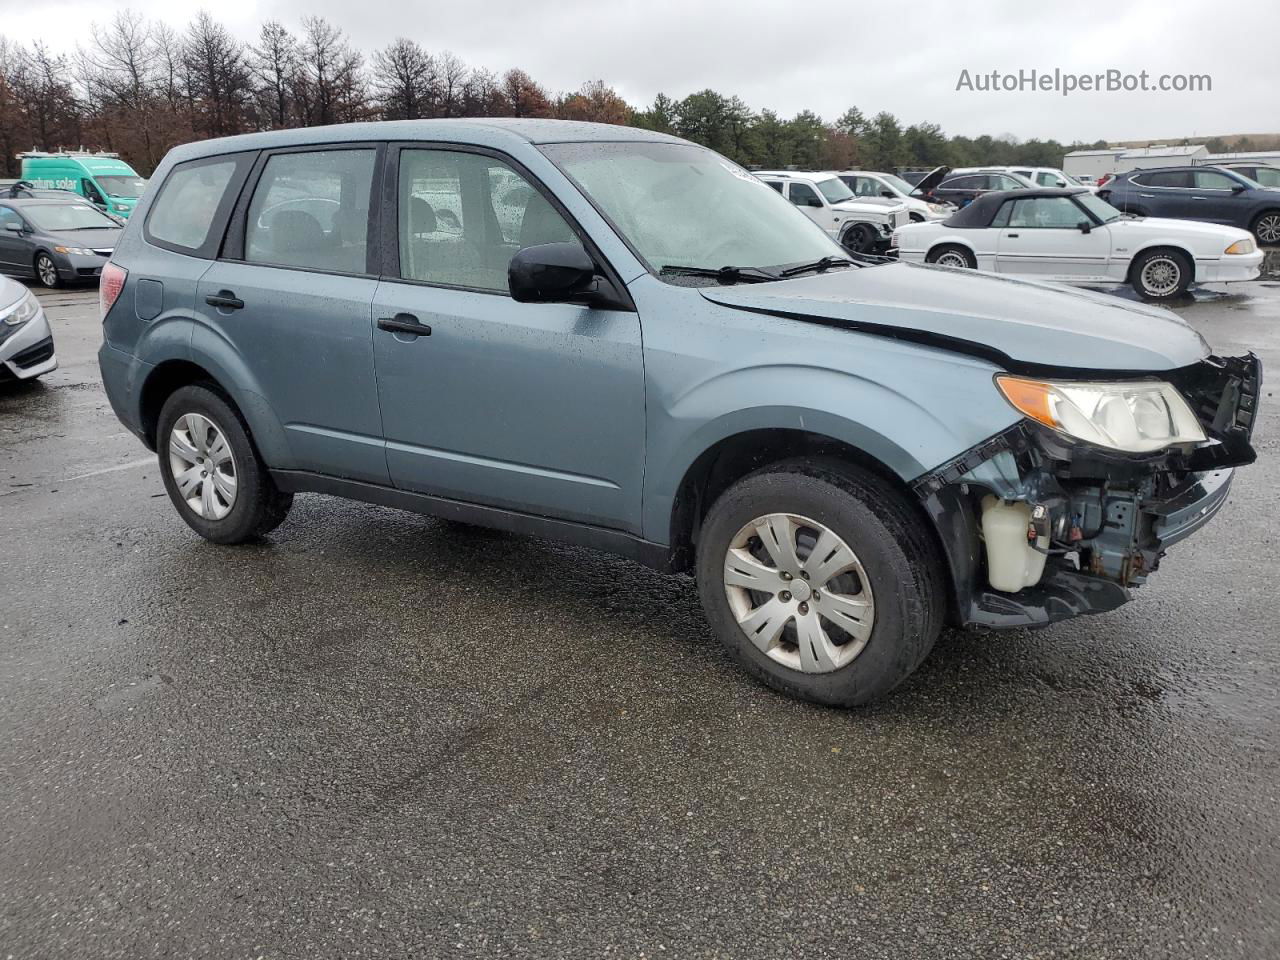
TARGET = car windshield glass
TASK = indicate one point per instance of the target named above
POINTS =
(897, 183)
(67, 216)
(835, 190)
(679, 205)
(1099, 208)
(128, 188)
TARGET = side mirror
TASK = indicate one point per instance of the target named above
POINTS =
(13, 227)
(1084, 226)
(551, 273)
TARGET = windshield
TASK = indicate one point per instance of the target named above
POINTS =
(680, 205)
(127, 188)
(897, 183)
(835, 190)
(1099, 208)
(67, 216)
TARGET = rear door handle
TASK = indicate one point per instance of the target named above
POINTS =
(404, 323)
(225, 300)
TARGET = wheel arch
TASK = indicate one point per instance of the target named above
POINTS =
(1155, 246)
(171, 375)
(739, 454)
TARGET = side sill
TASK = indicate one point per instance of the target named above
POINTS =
(655, 555)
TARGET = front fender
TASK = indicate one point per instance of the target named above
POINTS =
(909, 434)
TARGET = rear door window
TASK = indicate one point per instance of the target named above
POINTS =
(193, 203)
(311, 209)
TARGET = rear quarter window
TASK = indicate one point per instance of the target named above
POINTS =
(191, 209)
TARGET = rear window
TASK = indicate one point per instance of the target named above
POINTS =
(194, 198)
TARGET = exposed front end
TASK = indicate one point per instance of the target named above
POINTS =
(1040, 525)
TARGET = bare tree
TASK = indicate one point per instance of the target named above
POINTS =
(274, 65)
(452, 84)
(218, 81)
(332, 81)
(405, 81)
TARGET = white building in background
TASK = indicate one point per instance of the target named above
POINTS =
(1094, 163)
(1091, 163)
(1257, 156)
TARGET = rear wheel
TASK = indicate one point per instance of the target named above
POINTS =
(952, 255)
(211, 470)
(820, 581)
(47, 270)
(1162, 275)
(1267, 227)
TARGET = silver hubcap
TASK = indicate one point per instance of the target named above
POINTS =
(799, 593)
(1161, 276)
(1269, 228)
(203, 467)
(952, 259)
(48, 272)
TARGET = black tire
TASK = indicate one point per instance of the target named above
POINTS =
(859, 238)
(259, 506)
(1163, 261)
(1266, 223)
(901, 558)
(47, 270)
(953, 249)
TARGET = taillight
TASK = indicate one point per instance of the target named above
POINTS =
(110, 285)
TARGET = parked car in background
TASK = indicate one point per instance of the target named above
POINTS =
(1264, 174)
(1040, 176)
(55, 241)
(630, 342)
(1212, 194)
(859, 224)
(865, 183)
(963, 188)
(26, 342)
(1072, 236)
(103, 179)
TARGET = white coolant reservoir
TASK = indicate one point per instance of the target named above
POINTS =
(1012, 563)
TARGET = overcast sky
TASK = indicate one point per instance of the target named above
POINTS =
(904, 58)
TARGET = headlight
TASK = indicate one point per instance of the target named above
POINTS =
(79, 251)
(1242, 246)
(1137, 416)
(20, 312)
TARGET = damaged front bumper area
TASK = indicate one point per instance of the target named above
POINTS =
(1039, 528)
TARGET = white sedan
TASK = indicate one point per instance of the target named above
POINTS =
(1070, 236)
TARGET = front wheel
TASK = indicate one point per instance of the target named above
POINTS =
(47, 271)
(820, 581)
(1267, 227)
(211, 470)
(859, 238)
(1162, 275)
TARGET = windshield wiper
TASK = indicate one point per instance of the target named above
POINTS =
(725, 275)
(823, 265)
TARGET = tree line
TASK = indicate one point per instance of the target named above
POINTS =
(139, 88)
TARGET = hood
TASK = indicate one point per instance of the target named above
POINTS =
(930, 180)
(1022, 326)
(1184, 228)
(103, 238)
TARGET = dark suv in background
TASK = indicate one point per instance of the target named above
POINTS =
(1213, 194)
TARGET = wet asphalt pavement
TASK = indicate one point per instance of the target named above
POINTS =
(378, 735)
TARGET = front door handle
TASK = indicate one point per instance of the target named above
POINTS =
(224, 300)
(404, 323)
